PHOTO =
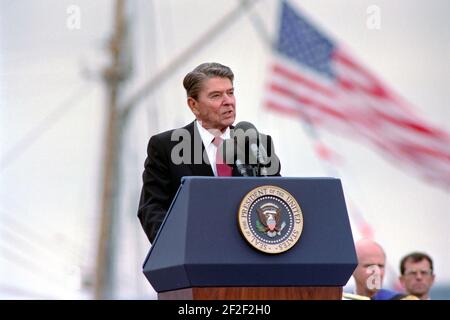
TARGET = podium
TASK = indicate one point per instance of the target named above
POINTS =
(200, 252)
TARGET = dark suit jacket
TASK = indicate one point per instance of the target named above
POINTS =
(162, 176)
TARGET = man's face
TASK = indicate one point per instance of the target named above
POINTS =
(215, 107)
(369, 273)
(418, 277)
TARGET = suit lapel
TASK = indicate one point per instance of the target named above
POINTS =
(202, 168)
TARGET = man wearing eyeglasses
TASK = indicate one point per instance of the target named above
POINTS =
(417, 274)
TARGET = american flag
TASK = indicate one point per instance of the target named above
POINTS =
(313, 78)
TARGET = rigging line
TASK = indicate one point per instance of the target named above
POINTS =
(17, 291)
(23, 243)
(19, 243)
(152, 112)
(34, 236)
(29, 228)
(259, 26)
(169, 40)
(36, 132)
(30, 265)
(186, 54)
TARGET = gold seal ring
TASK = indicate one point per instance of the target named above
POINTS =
(270, 219)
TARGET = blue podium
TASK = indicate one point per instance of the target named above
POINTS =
(207, 247)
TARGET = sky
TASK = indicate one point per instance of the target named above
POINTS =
(52, 118)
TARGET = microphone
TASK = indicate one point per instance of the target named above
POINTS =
(246, 134)
(260, 153)
(232, 154)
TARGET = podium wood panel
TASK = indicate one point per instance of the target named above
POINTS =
(254, 293)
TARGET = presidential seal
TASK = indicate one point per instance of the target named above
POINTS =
(270, 219)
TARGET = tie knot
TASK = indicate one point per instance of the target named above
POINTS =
(217, 141)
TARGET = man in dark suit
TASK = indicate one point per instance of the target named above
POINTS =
(193, 149)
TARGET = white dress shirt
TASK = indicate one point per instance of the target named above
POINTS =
(211, 149)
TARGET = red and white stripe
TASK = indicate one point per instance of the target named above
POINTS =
(358, 104)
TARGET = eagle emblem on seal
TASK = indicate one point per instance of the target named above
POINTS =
(269, 221)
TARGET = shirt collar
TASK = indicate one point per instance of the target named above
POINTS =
(208, 137)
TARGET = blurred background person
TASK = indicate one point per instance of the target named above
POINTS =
(369, 273)
(417, 276)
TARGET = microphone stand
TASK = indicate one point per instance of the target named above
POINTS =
(258, 165)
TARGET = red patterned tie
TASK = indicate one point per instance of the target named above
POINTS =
(223, 170)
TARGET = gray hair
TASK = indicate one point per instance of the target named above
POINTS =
(193, 80)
